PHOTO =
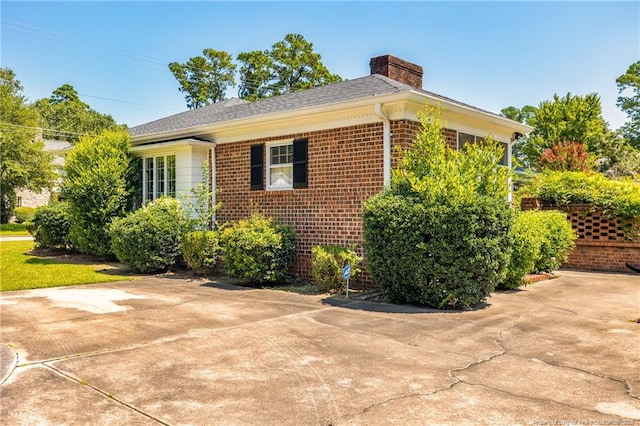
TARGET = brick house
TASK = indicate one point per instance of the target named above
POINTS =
(308, 158)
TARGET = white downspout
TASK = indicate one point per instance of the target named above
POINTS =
(509, 166)
(212, 167)
(386, 145)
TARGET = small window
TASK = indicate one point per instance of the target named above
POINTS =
(280, 167)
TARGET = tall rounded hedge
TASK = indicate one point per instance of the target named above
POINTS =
(98, 187)
(149, 239)
(449, 255)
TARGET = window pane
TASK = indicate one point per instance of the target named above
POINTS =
(464, 138)
(281, 177)
(282, 154)
(504, 159)
(160, 176)
(171, 175)
(148, 168)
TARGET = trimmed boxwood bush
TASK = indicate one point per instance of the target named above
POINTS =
(149, 239)
(200, 250)
(24, 214)
(327, 263)
(439, 255)
(50, 226)
(258, 249)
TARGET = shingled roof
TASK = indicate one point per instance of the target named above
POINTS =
(237, 109)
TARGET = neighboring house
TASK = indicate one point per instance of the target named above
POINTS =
(59, 149)
(309, 158)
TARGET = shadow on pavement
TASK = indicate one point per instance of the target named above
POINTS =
(362, 305)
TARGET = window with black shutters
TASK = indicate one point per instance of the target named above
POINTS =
(286, 165)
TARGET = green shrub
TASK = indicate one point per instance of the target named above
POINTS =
(558, 241)
(258, 249)
(526, 236)
(200, 250)
(327, 263)
(149, 239)
(24, 214)
(50, 226)
(98, 188)
(439, 235)
(619, 197)
(446, 255)
(541, 242)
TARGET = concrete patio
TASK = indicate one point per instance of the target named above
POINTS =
(169, 350)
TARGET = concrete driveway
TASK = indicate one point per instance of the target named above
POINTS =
(179, 351)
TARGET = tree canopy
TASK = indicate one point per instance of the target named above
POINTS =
(69, 117)
(205, 79)
(629, 102)
(24, 164)
(289, 65)
(570, 118)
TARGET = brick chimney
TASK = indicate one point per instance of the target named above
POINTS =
(397, 69)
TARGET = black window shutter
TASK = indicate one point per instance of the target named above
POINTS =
(257, 166)
(300, 163)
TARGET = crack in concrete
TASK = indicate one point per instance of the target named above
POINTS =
(165, 339)
(451, 374)
(530, 398)
(602, 376)
(104, 393)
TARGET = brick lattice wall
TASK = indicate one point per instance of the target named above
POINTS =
(604, 243)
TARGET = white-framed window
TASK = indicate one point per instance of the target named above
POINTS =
(466, 138)
(280, 166)
(158, 177)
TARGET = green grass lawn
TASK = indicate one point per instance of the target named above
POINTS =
(21, 270)
(11, 229)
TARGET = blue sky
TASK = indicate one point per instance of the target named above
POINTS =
(488, 54)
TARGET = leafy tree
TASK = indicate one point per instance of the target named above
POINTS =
(98, 188)
(64, 111)
(256, 71)
(290, 65)
(296, 66)
(522, 115)
(24, 164)
(204, 79)
(568, 118)
(630, 82)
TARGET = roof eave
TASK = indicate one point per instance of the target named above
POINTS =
(471, 111)
(403, 96)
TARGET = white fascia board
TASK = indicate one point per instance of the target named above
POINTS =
(473, 112)
(336, 110)
(177, 144)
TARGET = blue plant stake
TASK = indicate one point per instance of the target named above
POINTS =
(346, 274)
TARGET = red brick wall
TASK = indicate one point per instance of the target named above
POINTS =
(344, 169)
(604, 243)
